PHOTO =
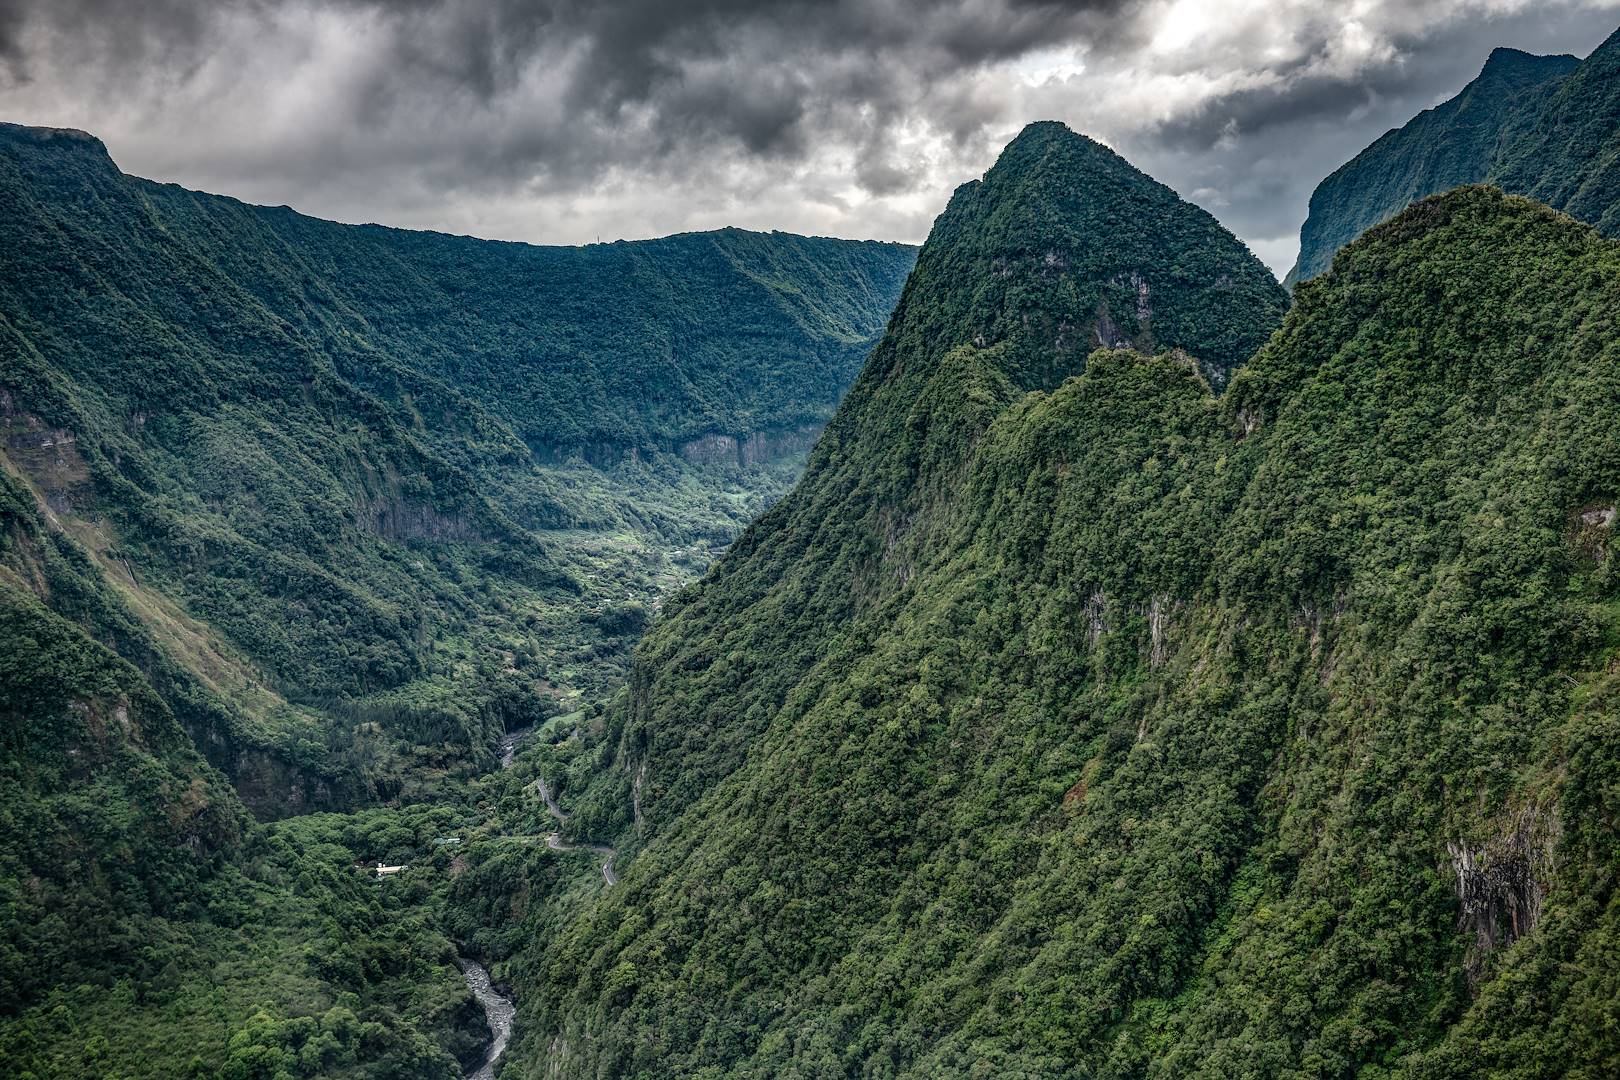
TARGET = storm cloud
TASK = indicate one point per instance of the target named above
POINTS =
(567, 120)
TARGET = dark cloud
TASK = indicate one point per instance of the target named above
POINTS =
(563, 119)
(762, 76)
(1257, 151)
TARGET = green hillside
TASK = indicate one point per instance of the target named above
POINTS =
(1457, 142)
(1029, 270)
(1543, 126)
(376, 496)
(1074, 723)
(148, 928)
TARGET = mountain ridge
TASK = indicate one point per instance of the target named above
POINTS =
(1123, 729)
(1455, 142)
(313, 455)
(968, 328)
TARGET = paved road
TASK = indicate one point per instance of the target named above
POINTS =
(556, 843)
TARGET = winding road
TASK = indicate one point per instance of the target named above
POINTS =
(555, 842)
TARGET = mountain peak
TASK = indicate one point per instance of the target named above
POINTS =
(1040, 134)
(1043, 129)
(1064, 247)
(46, 135)
(1509, 70)
(56, 147)
(1466, 139)
(1504, 56)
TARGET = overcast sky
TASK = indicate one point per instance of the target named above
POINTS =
(563, 121)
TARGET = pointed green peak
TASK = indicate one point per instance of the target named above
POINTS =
(1065, 247)
(1512, 69)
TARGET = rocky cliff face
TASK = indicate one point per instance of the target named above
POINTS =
(49, 456)
(745, 450)
(754, 448)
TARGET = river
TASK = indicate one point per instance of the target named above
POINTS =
(509, 744)
(498, 1008)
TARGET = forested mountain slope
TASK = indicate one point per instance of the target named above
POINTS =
(376, 495)
(1543, 126)
(148, 927)
(341, 504)
(1078, 722)
(1567, 154)
(1062, 247)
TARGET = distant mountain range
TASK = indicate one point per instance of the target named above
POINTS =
(352, 475)
(1543, 126)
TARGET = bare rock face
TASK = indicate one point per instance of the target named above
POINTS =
(1500, 883)
(753, 448)
(407, 519)
(48, 456)
(710, 449)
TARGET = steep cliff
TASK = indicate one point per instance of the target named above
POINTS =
(1110, 727)
(1460, 141)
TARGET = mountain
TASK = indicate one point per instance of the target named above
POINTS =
(297, 516)
(148, 926)
(1072, 722)
(1543, 126)
(372, 497)
(1567, 154)
(1062, 247)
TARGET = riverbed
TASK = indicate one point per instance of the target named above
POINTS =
(499, 1010)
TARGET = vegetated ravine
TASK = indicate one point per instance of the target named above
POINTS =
(297, 520)
(499, 1009)
(1070, 719)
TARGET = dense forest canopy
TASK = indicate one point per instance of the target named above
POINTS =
(1104, 726)
(1137, 673)
(357, 478)
(298, 516)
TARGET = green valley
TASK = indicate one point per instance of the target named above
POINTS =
(373, 496)
(344, 505)
(1057, 652)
